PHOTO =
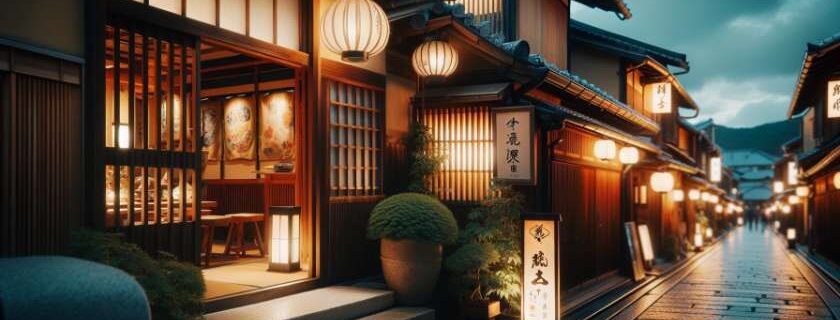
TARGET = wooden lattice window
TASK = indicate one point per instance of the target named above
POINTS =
(463, 136)
(356, 134)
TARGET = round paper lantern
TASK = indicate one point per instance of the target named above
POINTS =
(802, 191)
(786, 209)
(355, 29)
(605, 149)
(837, 180)
(719, 208)
(662, 182)
(793, 199)
(628, 155)
(694, 194)
(434, 60)
(678, 195)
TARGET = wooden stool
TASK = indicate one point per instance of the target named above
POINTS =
(236, 233)
(208, 227)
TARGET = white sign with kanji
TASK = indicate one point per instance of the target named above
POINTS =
(660, 97)
(513, 144)
(539, 267)
(833, 102)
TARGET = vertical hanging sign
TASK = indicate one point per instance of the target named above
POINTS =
(514, 134)
(833, 102)
(539, 268)
(715, 169)
(660, 97)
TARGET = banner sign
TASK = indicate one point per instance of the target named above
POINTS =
(540, 274)
(513, 144)
(833, 102)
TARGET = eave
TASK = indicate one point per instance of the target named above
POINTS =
(668, 76)
(813, 52)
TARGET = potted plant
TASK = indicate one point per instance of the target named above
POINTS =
(486, 266)
(413, 228)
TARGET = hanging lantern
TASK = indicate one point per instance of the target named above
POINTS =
(694, 194)
(714, 198)
(434, 60)
(740, 221)
(719, 208)
(734, 191)
(605, 149)
(802, 191)
(628, 155)
(662, 182)
(355, 29)
(705, 196)
(778, 186)
(678, 195)
(285, 239)
(793, 199)
(786, 209)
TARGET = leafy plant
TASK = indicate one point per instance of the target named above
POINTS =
(422, 158)
(174, 289)
(413, 216)
(488, 261)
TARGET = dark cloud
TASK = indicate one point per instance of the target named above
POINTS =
(732, 46)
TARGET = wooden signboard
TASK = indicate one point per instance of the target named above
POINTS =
(634, 248)
(514, 150)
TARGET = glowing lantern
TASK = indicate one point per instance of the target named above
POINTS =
(718, 208)
(837, 180)
(628, 155)
(285, 239)
(777, 225)
(662, 182)
(803, 191)
(740, 221)
(714, 198)
(793, 199)
(355, 29)
(778, 187)
(786, 209)
(709, 233)
(792, 173)
(678, 195)
(434, 60)
(791, 234)
(694, 194)
(123, 135)
(705, 196)
(734, 191)
(605, 149)
(698, 241)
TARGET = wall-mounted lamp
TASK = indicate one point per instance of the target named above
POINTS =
(605, 149)
(628, 155)
(778, 187)
(678, 195)
(803, 191)
(662, 181)
(694, 195)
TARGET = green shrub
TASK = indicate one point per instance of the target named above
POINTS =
(488, 263)
(423, 160)
(174, 289)
(412, 216)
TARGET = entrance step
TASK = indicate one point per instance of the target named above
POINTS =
(403, 313)
(336, 302)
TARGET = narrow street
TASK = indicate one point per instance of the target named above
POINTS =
(750, 274)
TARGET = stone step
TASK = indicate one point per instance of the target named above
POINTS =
(336, 302)
(403, 313)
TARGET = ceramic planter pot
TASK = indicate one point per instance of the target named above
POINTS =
(481, 310)
(411, 269)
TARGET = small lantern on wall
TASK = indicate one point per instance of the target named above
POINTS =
(719, 208)
(355, 29)
(791, 238)
(662, 181)
(605, 149)
(628, 155)
(285, 239)
(678, 195)
(837, 180)
(793, 199)
(434, 60)
(802, 191)
(786, 209)
(705, 196)
(694, 195)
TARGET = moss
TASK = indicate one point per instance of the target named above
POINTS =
(412, 216)
(174, 289)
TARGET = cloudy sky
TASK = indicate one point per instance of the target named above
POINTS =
(745, 55)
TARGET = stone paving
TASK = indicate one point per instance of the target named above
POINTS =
(749, 276)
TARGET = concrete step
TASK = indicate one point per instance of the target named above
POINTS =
(336, 302)
(403, 313)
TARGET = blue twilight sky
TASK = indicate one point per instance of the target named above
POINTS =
(745, 55)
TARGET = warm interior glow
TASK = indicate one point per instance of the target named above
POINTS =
(678, 195)
(791, 234)
(123, 136)
(778, 186)
(434, 59)
(355, 29)
(605, 149)
(694, 194)
(662, 182)
(647, 246)
(628, 155)
(803, 191)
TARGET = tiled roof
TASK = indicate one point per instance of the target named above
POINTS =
(814, 50)
(737, 158)
(824, 43)
(639, 50)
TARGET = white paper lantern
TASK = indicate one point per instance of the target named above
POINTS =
(678, 195)
(605, 149)
(662, 182)
(694, 194)
(628, 155)
(778, 186)
(355, 29)
(793, 199)
(802, 191)
(434, 60)
(837, 180)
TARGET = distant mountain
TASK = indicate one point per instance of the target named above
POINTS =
(768, 137)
